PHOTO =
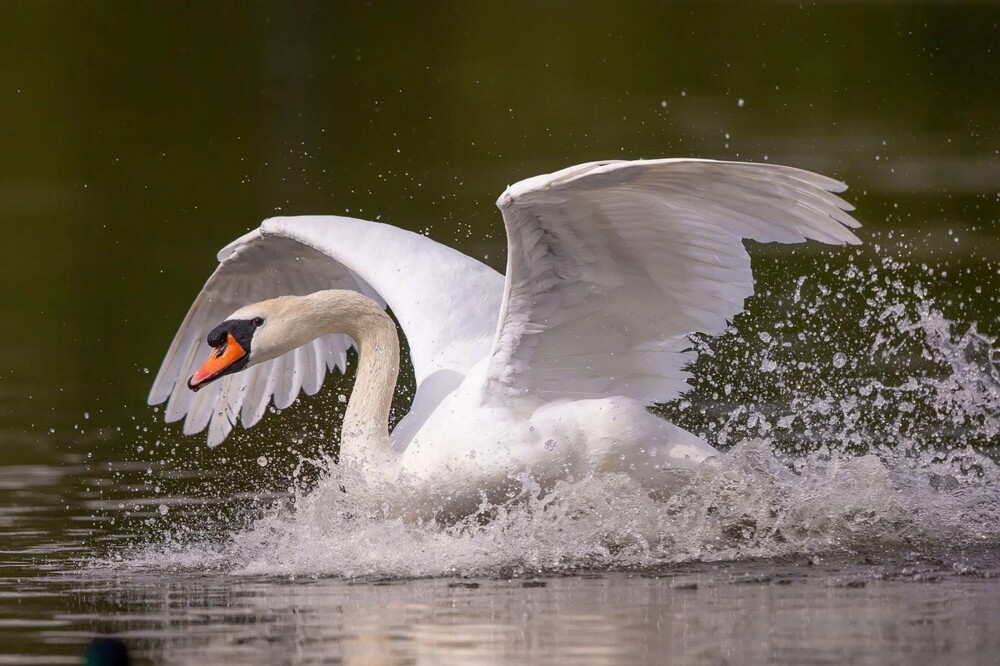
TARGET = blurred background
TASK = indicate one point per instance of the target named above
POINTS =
(138, 138)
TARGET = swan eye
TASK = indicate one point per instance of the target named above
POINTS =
(257, 322)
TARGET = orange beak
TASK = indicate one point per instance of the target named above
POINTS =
(221, 358)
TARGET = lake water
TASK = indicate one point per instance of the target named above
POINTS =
(855, 515)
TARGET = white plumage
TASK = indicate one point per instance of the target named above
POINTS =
(611, 265)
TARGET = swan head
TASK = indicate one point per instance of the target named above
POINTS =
(254, 334)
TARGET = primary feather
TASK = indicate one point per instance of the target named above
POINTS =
(610, 266)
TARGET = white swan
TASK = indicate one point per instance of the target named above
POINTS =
(550, 369)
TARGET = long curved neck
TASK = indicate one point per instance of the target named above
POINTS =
(367, 415)
(365, 433)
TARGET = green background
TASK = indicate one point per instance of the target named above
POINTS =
(138, 138)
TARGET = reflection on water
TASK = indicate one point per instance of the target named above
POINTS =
(798, 611)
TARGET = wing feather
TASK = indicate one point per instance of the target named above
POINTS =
(315, 369)
(258, 394)
(611, 265)
(448, 304)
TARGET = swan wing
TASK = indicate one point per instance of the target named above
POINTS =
(447, 303)
(611, 265)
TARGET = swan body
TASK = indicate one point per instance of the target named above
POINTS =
(548, 369)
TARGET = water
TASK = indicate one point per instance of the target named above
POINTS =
(856, 514)
(751, 612)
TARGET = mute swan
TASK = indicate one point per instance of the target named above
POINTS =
(549, 369)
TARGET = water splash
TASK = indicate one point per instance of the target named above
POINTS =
(749, 503)
(856, 421)
(858, 362)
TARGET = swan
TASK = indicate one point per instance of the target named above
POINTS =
(548, 369)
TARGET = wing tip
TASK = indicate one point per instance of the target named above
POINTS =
(155, 397)
(833, 185)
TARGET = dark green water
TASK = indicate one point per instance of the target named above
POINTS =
(138, 138)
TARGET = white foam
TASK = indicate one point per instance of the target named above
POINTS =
(887, 467)
(747, 503)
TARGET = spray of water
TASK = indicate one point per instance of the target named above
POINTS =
(859, 420)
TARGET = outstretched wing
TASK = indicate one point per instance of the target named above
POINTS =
(446, 302)
(611, 265)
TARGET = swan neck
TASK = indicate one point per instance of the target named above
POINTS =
(365, 430)
(367, 415)
(301, 319)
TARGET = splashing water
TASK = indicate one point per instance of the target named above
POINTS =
(746, 504)
(860, 422)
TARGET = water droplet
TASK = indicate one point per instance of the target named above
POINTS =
(839, 360)
(262, 461)
(740, 102)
